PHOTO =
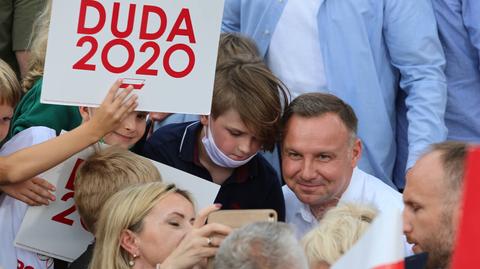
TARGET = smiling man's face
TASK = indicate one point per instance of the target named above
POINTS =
(428, 218)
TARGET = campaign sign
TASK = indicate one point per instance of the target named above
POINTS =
(165, 49)
(57, 231)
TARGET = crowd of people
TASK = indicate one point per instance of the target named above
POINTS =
(328, 112)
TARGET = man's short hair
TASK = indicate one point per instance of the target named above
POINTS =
(105, 173)
(246, 85)
(261, 245)
(452, 156)
(10, 90)
(317, 104)
(337, 232)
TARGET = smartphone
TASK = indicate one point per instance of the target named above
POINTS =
(237, 218)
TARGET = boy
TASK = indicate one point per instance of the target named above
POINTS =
(98, 178)
(223, 147)
(10, 94)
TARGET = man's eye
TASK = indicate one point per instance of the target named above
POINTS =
(141, 116)
(234, 133)
(6, 119)
(294, 155)
(324, 157)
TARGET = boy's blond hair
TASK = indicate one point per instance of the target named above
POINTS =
(10, 91)
(105, 173)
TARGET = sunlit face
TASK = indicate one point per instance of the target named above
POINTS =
(6, 113)
(231, 135)
(318, 158)
(128, 133)
(427, 220)
(163, 229)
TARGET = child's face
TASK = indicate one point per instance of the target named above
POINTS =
(232, 137)
(130, 131)
(6, 113)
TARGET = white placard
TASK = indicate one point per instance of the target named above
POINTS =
(166, 49)
(56, 231)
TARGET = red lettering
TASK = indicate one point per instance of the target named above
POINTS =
(81, 28)
(73, 175)
(128, 63)
(145, 15)
(184, 16)
(145, 68)
(131, 17)
(190, 65)
(82, 63)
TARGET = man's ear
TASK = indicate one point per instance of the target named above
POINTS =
(129, 242)
(356, 151)
(204, 120)
(84, 112)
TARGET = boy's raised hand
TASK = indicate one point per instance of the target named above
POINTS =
(114, 109)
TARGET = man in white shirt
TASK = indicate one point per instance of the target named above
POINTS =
(320, 152)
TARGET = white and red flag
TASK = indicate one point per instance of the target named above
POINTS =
(381, 247)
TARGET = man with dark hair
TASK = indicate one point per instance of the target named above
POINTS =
(432, 196)
(320, 152)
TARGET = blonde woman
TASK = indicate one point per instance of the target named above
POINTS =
(153, 225)
(336, 233)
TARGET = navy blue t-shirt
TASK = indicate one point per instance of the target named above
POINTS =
(254, 185)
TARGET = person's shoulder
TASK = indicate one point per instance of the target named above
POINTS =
(375, 184)
(171, 132)
(264, 169)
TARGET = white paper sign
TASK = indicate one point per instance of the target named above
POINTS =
(56, 230)
(166, 49)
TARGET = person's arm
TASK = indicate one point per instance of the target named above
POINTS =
(471, 20)
(32, 161)
(231, 16)
(411, 36)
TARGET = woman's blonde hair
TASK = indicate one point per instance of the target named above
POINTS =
(336, 232)
(126, 210)
(38, 47)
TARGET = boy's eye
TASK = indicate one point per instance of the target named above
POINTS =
(141, 116)
(235, 133)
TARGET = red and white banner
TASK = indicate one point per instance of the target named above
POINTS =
(468, 237)
(166, 49)
(381, 247)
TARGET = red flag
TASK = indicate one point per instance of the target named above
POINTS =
(468, 236)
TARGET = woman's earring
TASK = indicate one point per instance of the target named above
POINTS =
(131, 262)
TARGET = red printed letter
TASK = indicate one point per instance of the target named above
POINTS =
(128, 63)
(188, 31)
(131, 16)
(168, 54)
(145, 15)
(81, 28)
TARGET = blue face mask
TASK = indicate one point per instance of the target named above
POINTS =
(216, 155)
